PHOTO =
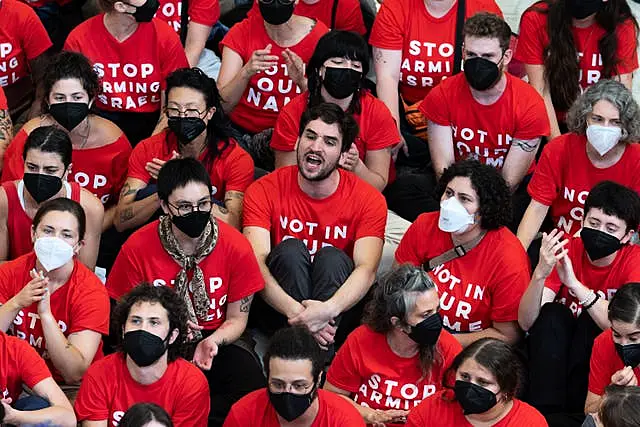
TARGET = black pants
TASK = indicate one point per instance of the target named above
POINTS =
(136, 126)
(303, 279)
(559, 350)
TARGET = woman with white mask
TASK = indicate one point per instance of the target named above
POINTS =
(604, 124)
(53, 301)
(478, 265)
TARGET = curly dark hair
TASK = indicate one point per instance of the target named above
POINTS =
(69, 65)
(561, 65)
(170, 301)
(489, 185)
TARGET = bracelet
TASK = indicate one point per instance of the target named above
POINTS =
(592, 303)
(589, 297)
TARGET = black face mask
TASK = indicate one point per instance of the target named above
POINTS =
(187, 128)
(630, 354)
(277, 12)
(580, 9)
(341, 82)
(42, 187)
(473, 398)
(599, 244)
(69, 114)
(193, 223)
(143, 347)
(146, 12)
(290, 406)
(427, 332)
(481, 73)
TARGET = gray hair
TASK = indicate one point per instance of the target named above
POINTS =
(618, 95)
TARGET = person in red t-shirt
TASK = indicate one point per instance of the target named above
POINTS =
(6, 127)
(487, 378)
(100, 149)
(151, 325)
(486, 113)
(601, 146)
(23, 42)
(52, 300)
(413, 45)
(616, 352)
(263, 68)
(398, 357)
(565, 306)
(293, 363)
(347, 16)
(47, 162)
(316, 230)
(560, 44)
(196, 128)
(133, 55)
(486, 271)
(192, 243)
(21, 364)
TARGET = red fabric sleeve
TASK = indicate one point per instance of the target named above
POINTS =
(247, 280)
(627, 53)
(389, 25)
(138, 160)
(124, 274)
(545, 183)
(257, 206)
(205, 12)
(192, 403)
(532, 118)
(532, 39)
(437, 96)
(600, 367)
(171, 51)
(239, 170)
(119, 171)
(285, 132)
(33, 368)
(492, 7)
(386, 132)
(93, 398)
(409, 249)
(7, 280)
(344, 369)
(35, 39)
(449, 348)
(91, 311)
(373, 217)
(3, 100)
(508, 290)
(13, 167)
(236, 38)
(349, 17)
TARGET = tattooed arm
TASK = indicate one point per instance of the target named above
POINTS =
(131, 213)
(231, 212)
(518, 161)
(6, 133)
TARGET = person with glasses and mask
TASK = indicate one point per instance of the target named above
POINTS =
(151, 327)
(133, 54)
(100, 149)
(604, 125)
(197, 128)
(263, 68)
(398, 357)
(212, 268)
(293, 363)
(566, 304)
(51, 300)
(47, 165)
(486, 378)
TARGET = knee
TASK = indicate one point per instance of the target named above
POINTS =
(554, 316)
(332, 256)
(289, 248)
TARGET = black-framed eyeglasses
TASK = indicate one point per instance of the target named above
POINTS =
(190, 112)
(297, 388)
(185, 208)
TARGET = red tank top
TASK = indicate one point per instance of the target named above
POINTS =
(19, 223)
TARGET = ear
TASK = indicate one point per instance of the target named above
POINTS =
(164, 207)
(33, 234)
(65, 176)
(121, 7)
(173, 336)
(79, 246)
(506, 59)
(627, 237)
(211, 112)
(295, 147)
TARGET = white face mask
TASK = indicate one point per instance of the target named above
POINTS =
(454, 218)
(52, 252)
(603, 138)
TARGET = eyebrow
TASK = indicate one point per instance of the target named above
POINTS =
(632, 333)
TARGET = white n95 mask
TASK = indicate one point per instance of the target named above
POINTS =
(603, 138)
(454, 218)
(52, 252)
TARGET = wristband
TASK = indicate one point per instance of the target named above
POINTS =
(589, 297)
(592, 303)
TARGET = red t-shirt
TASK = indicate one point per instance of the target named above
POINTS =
(143, 259)
(565, 175)
(378, 130)
(486, 131)
(22, 39)
(625, 268)
(108, 390)
(232, 170)
(267, 92)
(276, 202)
(534, 39)
(348, 14)
(19, 223)
(132, 72)
(80, 304)
(255, 410)
(378, 378)
(3, 100)
(19, 364)
(449, 414)
(477, 289)
(427, 43)
(205, 12)
(101, 170)
(605, 362)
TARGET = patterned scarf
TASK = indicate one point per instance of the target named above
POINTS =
(199, 308)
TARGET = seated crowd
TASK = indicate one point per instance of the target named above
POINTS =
(244, 229)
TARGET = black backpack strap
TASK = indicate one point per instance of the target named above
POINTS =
(457, 52)
(184, 21)
(334, 12)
